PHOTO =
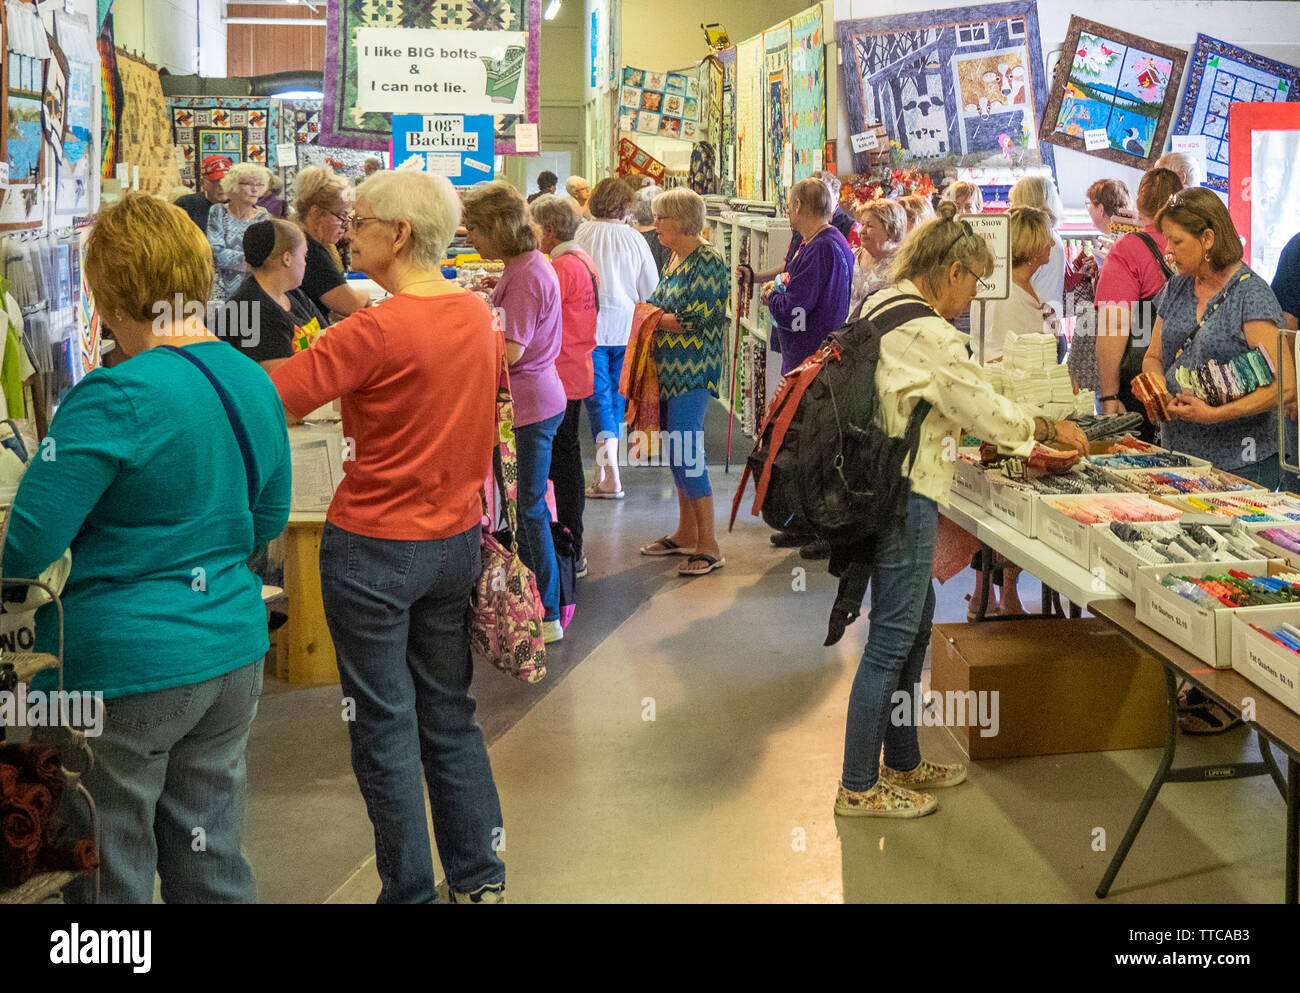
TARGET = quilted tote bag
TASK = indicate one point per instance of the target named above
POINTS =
(505, 613)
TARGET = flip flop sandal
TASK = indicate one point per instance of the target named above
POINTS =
(596, 493)
(710, 564)
(665, 546)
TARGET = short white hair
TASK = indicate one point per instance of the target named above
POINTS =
(241, 169)
(573, 182)
(684, 207)
(426, 202)
(1182, 164)
(1040, 192)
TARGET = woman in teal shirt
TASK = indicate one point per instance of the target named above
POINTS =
(143, 476)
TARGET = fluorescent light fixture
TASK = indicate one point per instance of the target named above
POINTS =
(552, 10)
(298, 95)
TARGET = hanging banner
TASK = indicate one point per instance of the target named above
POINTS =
(468, 72)
(457, 146)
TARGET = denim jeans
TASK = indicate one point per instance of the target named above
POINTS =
(902, 610)
(606, 404)
(536, 546)
(396, 613)
(169, 763)
(682, 417)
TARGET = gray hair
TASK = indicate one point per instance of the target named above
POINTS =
(1182, 164)
(426, 202)
(573, 182)
(242, 169)
(556, 215)
(683, 206)
(643, 213)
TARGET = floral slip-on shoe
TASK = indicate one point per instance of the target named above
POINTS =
(884, 800)
(926, 776)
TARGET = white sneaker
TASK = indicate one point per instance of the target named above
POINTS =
(552, 632)
(491, 893)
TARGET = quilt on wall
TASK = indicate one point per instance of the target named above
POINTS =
(240, 128)
(72, 189)
(345, 126)
(807, 92)
(727, 147)
(776, 108)
(750, 150)
(1220, 75)
(145, 139)
(27, 58)
(954, 88)
(110, 96)
(666, 104)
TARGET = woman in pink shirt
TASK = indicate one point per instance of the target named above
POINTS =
(579, 302)
(527, 302)
(399, 556)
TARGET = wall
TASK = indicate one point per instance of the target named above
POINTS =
(178, 35)
(257, 50)
(666, 34)
(1269, 27)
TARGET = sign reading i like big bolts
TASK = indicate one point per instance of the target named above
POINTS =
(463, 72)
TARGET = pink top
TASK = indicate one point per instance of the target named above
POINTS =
(527, 301)
(578, 289)
(1131, 272)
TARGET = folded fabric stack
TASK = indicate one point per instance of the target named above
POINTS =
(1107, 425)
(1171, 483)
(1031, 377)
(1155, 460)
(1150, 389)
(1219, 383)
(1081, 480)
(1162, 543)
(31, 833)
(1260, 508)
(1105, 509)
(1085, 403)
(1288, 538)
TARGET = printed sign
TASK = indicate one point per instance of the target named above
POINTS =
(457, 146)
(469, 72)
(865, 141)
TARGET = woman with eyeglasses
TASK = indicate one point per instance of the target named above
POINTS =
(922, 359)
(322, 202)
(244, 185)
(1214, 309)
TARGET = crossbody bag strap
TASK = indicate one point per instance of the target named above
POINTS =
(505, 466)
(1155, 252)
(1209, 311)
(236, 424)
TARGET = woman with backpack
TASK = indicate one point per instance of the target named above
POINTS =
(923, 360)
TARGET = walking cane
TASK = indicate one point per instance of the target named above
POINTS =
(741, 281)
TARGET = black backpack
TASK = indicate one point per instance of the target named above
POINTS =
(823, 456)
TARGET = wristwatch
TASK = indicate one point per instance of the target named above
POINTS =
(1107, 399)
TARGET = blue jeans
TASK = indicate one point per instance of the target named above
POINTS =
(902, 610)
(536, 546)
(606, 404)
(170, 762)
(682, 417)
(396, 612)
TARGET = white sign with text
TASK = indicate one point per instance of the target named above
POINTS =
(466, 72)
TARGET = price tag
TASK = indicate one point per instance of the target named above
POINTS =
(286, 154)
(526, 138)
(1096, 139)
(4, 175)
(865, 141)
(817, 160)
(135, 177)
(1192, 145)
(787, 165)
(443, 163)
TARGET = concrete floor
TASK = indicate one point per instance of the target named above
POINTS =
(687, 747)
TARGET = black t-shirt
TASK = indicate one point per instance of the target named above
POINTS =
(262, 329)
(321, 275)
(842, 222)
(198, 207)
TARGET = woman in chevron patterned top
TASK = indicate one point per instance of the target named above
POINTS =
(688, 353)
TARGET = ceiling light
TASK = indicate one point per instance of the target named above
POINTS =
(552, 10)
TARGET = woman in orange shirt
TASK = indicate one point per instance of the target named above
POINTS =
(400, 553)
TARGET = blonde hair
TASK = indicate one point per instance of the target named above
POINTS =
(241, 170)
(501, 213)
(963, 192)
(890, 215)
(1040, 192)
(684, 207)
(142, 251)
(426, 202)
(936, 245)
(918, 209)
(1196, 209)
(318, 186)
(1030, 233)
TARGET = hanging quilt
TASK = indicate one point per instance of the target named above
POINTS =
(345, 126)
(110, 95)
(1219, 76)
(633, 160)
(28, 56)
(666, 104)
(727, 143)
(750, 149)
(776, 93)
(240, 128)
(807, 92)
(953, 88)
(145, 138)
(1116, 83)
(72, 189)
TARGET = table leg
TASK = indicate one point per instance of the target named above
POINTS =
(983, 582)
(311, 651)
(1144, 808)
(1292, 827)
(1267, 754)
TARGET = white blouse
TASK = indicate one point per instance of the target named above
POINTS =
(627, 275)
(926, 359)
(1019, 313)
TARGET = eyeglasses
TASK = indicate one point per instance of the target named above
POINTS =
(984, 285)
(344, 219)
(359, 222)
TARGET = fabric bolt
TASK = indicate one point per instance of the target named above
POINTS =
(1220, 339)
(682, 420)
(927, 359)
(1019, 313)
(816, 301)
(579, 289)
(626, 271)
(536, 543)
(149, 490)
(226, 235)
(606, 404)
(696, 293)
(528, 301)
(421, 452)
(168, 760)
(396, 612)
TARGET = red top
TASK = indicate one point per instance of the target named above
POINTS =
(1131, 272)
(418, 378)
(576, 270)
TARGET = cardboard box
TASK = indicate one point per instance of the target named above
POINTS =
(1201, 629)
(1285, 554)
(1014, 506)
(971, 483)
(1062, 533)
(1119, 566)
(1264, 662)
(1062, 686)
